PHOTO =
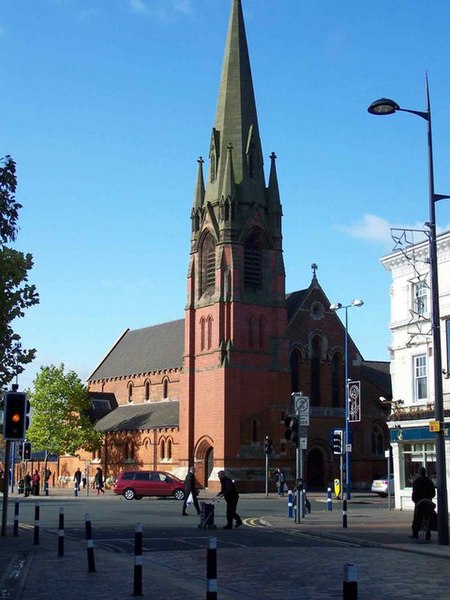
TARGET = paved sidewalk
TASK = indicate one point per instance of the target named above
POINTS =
(376, 540)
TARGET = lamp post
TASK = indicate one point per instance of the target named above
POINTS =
(385, 106)
(335, 308)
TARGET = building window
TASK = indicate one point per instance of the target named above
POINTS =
(316, 355)
(129, 451)
(165, 389)
(420, 298)
(253, 261)
(255, 432)
(169, 450)
(377, 441)
(130, 392)
(337, 381)
(208, 265)
(262, 332)
(209, 321)
(250, 332)
(420, 378)
(202, 334)
(162, 450)
(147, 391)
(415, 456)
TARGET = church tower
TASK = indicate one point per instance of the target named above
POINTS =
(235, 381)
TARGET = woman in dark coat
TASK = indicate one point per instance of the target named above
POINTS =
(229, 492)
(190, 488)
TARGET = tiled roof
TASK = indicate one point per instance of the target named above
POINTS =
(144, 350)
(136, 417)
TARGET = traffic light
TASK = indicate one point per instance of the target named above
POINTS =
(268, 445)
(16, 407)
(338, 436)
(26, 451)
(291, 432)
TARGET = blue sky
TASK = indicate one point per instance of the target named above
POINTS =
(107, 104)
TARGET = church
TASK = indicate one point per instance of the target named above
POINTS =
(207, 389)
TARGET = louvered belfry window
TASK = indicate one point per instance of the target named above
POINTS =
(208, 271)
(253, 263)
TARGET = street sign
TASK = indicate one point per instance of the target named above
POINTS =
(303, 443)
(301, 406)
(434, 426)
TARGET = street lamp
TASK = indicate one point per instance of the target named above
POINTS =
(336, 307)
(385, 106)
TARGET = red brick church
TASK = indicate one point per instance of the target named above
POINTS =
(208, 389)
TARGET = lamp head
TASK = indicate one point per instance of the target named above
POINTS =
(336, 306)
(357, 302)
(383, 106)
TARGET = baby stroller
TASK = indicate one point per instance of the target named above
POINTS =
(207, 515)
(20, 486)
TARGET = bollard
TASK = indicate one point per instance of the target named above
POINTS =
(16, 518)
(90, 544)
(344, 511)
(329, 499)
(138, 560)
(290, 505)
(61, 532)
(36, 523)
(211, 569)
(303, 503)
(350, 584)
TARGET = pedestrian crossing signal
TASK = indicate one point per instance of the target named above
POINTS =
(338, 435)
(15, 416)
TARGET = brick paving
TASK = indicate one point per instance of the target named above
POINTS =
(389, 565)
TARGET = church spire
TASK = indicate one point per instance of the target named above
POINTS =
(236, 120)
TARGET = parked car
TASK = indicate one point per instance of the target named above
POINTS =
(382, 486)
(136, 484)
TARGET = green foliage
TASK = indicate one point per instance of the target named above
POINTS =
(16, 294)
(59, 403)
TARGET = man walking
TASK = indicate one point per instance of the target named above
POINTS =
(229, 492)
(190, 488)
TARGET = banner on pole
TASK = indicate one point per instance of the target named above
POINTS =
(354, 401)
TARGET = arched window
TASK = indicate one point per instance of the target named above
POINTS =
(255, 431)
(162, 450)
(253, 264)
(262, 332)
(208, 265)
(129, 451)
(209, 321)
(377, 441)
(294, 360)
(337, 380)
(316, 355)
(202, 333)
(165, 388)
(130, 392)
(250, 332)
(169, 449)
(147, 391)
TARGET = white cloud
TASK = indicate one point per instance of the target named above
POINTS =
(160, 8)
(373, 228)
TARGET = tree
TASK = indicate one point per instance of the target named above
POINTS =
(15, 293)
(59, 405)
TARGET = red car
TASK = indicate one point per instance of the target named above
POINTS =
(136, 484)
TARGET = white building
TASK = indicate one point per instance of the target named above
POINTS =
(413, 444)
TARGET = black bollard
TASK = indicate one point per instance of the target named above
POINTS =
(36, 523)
(61, 532)
(350, 584)
(138, 561)
(16, 518)
(211, 569)
(90, 544)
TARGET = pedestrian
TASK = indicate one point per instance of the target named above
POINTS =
(77, 479)
(84, 479)
(423, 489)
(190, 487)
(27, 485)
(229, 492)
(280, 481)
(35, 482)
(300, 486)
(98, 481)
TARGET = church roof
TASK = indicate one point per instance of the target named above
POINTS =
(136, 417)
(155, 348)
